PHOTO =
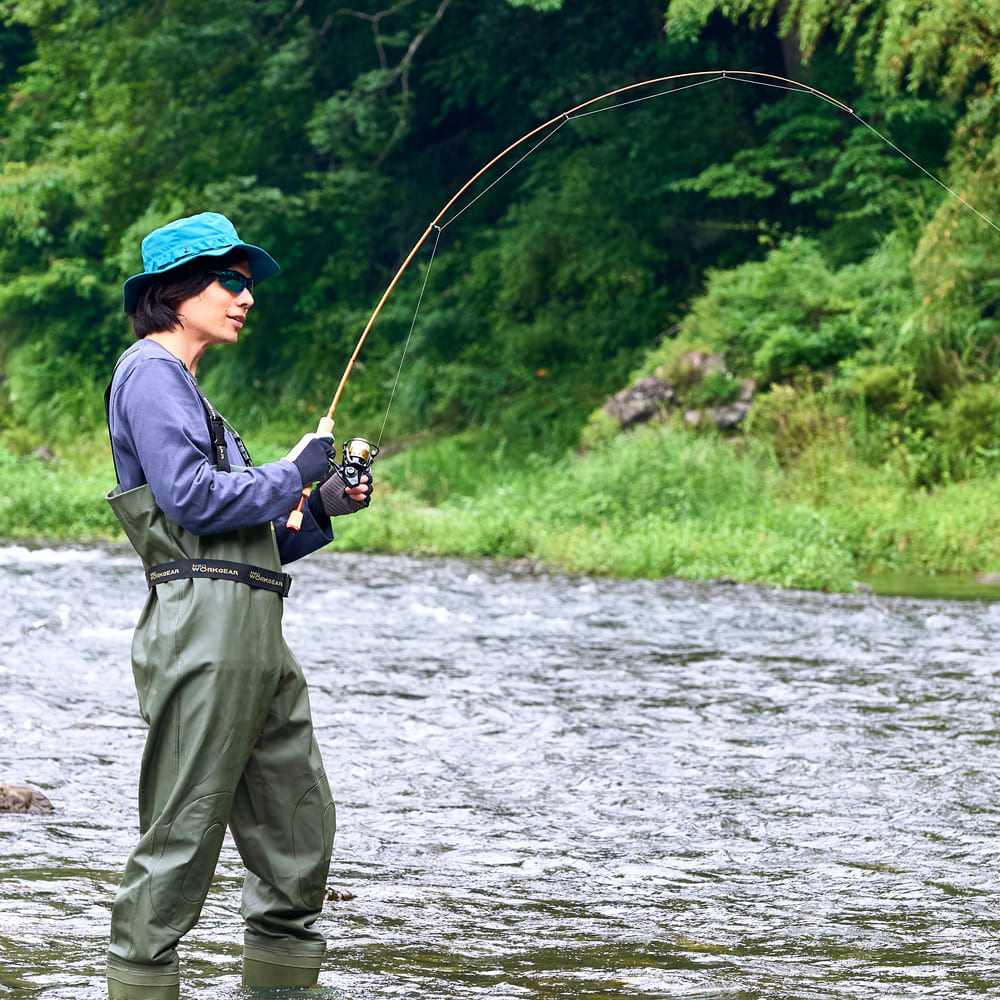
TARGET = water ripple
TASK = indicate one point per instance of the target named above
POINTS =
(548, 786)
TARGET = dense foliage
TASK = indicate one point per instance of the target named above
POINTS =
(818, 250)
(904, 335)
(333, 137)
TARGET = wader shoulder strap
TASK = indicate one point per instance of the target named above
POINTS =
(217, 425)
(244, 454)
(216, 429)
(220, 569)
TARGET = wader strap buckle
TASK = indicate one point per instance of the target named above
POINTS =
(220, 569)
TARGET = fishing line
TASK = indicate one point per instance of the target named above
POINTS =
(791, 87)
(562, 120)
(513, 166)
(861, 121)
(796, 88)
(924, 170)
(565, 118)
(413, 323)
(639, 100)
(549, 129)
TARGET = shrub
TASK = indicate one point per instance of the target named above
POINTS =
(796, 418)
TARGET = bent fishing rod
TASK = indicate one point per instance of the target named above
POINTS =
(358, 452)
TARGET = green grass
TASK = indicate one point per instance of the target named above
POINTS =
(659, 502)
(57, 500)
(665, 503)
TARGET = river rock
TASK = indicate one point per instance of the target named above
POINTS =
(728, 418)
(725, 418)
(641, 402)
(654, 397)
(21, 799)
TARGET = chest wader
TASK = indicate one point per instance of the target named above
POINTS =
(230, 742)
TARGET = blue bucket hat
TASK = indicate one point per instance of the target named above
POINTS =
(206, 235)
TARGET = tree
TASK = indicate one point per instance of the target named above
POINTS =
(923, 63)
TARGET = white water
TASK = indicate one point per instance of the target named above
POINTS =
(549, 787)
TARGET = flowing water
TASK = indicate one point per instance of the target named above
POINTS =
(548, 787)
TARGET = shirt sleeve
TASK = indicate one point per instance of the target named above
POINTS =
(160, 436)
(316, 531)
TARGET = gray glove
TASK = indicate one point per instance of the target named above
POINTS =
(336, 501)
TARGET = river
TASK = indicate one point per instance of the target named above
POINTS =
(548, 787)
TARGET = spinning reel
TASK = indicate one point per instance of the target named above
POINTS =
(359, 453)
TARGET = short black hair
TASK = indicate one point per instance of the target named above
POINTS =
(156, 309)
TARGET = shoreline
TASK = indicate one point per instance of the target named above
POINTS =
(929, 586)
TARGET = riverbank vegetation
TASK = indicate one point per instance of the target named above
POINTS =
(658, 502)
(760, 225)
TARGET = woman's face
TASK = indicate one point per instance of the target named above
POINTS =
(216, 315)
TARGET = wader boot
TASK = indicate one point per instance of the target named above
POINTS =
(131, 981)
(230, 741)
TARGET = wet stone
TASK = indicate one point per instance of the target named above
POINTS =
(21, 799)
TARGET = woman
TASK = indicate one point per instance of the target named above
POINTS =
(230, 733)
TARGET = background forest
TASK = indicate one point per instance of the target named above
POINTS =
(790, 239)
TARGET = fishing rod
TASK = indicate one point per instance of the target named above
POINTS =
(358, 452)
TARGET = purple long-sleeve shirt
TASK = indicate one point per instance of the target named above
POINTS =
(160, 436)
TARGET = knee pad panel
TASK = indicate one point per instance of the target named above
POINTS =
(185, 865)
(313, 829)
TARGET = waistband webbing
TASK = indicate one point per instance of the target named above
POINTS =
(220, 569)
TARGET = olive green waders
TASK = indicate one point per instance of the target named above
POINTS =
(230, 741)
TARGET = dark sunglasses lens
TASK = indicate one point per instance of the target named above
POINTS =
(233, 281)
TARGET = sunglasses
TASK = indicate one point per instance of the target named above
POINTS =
(233, 281)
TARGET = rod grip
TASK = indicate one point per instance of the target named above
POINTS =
(294, 523)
